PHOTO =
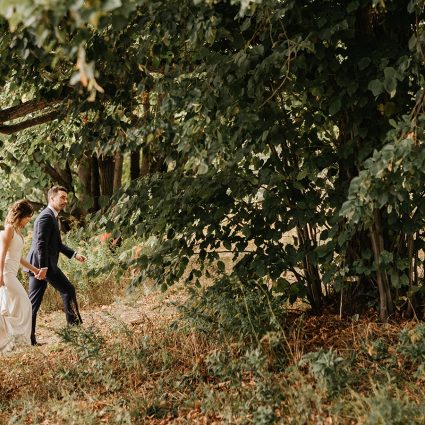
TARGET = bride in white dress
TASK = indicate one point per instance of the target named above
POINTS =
(15, 306)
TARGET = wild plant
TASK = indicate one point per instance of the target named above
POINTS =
(244, 386)
(378, 349)
(233, 309)
(412, 346)
(387, 405)
(327, 368)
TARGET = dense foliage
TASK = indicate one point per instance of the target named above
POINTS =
(288, 134)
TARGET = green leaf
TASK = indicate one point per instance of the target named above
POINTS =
(202, 168)
(282, 285)
(109, 5)
(352, 6)
(221, 266)
(302, 174)
(103, 201)
(390, 81)
(376, 87)
(227, 244)
(335, 107)
(322, 250)
(412, 42)
(364, 63)
(386, 258)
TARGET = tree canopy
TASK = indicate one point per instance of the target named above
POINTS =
(288, 134)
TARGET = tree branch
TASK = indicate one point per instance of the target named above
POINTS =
(58, 175)
(26, 108)
(13, 128)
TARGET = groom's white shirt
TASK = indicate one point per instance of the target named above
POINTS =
(54, 211)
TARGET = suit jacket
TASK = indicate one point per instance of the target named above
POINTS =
(46, 242)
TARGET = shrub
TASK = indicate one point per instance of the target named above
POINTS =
(234, 309)
(385, 408)
(412, 346)
(326, 368)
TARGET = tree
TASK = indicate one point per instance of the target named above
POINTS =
(273, 118)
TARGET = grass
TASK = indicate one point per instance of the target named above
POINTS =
(323, 370)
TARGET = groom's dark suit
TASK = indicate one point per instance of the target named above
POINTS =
(44, 252)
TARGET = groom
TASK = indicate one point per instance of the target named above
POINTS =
(44, 254)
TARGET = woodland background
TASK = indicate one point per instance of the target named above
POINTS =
(267, 157)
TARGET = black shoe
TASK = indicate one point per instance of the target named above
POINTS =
(35, 343)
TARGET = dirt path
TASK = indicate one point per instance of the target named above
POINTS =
(132, 309)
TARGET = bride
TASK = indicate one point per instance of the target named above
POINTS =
(15, 306)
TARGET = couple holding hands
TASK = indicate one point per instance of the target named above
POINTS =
(18, 310)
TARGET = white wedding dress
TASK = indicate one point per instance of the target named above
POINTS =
(15, 306)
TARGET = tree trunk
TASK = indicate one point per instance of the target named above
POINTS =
(311, 271)
(354, 297)
(106, 175)
(62, 177)
(157, 165)
(95, 185)
(25, 109)
(84, 176)
(385, 298)
(144, 171)
(118, 165)
(134, 165)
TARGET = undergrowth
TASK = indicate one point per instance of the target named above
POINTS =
(158, 373)
(233, 356)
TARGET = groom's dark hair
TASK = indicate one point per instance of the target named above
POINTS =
(54, 190)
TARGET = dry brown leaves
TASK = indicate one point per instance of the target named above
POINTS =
(331, 331)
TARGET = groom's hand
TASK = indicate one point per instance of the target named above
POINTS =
(80, 258)
(41, 275)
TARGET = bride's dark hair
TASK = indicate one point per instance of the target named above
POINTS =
(19, 210)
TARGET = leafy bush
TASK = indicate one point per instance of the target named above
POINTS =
(384, 408)
(378, 349)
(231, 308)
(412, 346)
(326, 368)
(259, 399)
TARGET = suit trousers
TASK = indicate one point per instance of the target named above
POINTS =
(61, 283)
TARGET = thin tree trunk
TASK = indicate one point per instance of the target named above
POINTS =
(412, 300)
(106, 175)
(134, 165)
(385, 298)
(118, 164)
(62, 177)
(84, 176)
(95, 186)
(144, 171)
(311, 272)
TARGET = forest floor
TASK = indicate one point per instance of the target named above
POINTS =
(128, 364)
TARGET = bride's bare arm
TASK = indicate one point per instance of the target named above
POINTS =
(6, 238)
(29, 266)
